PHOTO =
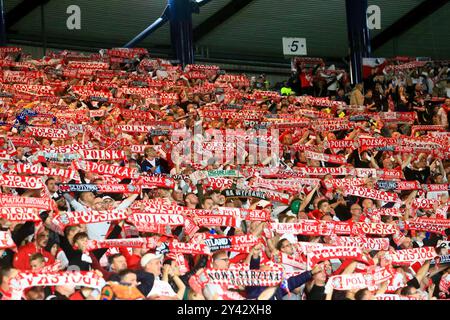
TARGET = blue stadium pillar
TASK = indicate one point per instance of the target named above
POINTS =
(2, 24)
(180, 17)
(358, 37)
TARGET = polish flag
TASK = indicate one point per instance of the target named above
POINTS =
(372, 63)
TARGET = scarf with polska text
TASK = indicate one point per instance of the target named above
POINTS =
(25, 182)
(374, 228)
(44, 132)
(428, 224)
(355, 281)
(370, 143)
(84, 217)
(393, 212)
(43, 171)
(216, 220)
(20, 214)
(363, 243)
(303, 227)
(108, 169)
(339, 252)
(152, 228)
(331, 158)
(242, 243)
(371, 194)
(283, 186)
(410, 256)
(218, 183)
(70, 148)
(147, 243)
(424, 203)
(339, 144)
(102, 154)
(188, 248)
(156, 219)
(76, 278)
(159, 181)
(162, 208)
(344, 183)
(436, 187)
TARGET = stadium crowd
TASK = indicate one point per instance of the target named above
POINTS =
(127, 177)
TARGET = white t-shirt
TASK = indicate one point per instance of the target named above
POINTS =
(161, 288)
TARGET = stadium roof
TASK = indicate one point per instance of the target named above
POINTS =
(236, 29)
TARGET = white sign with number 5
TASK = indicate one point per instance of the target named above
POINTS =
(294, 46)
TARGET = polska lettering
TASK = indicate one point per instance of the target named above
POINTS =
(20, 214)
(43, 171)
(101, 168)
(26, 182)
(102, 154)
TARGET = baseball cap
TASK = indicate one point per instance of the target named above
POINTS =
(149, 257)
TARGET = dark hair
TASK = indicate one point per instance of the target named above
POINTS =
(359, 295)
(280, 244)
(68, 229)
(48, 180)
(319, 204)
(4, 272)
(168, 261)
(406, 291)
(123, 273)
(36, 256)
(80, 235)
(112, 257)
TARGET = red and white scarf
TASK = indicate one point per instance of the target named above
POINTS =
(102, 168)
(371, 194)
(6, 240)
(47, 132)
(339, 252)
(332, 158)
(188, 248)
(84, 217)
(147, 243)
(363, 243)
(25, 182)
(26, 202)
(157, 219)
(37, 169)
(237, 278)
(409, 256)
(102, 154)
(20, 214)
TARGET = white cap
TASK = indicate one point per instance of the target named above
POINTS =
(149, 257)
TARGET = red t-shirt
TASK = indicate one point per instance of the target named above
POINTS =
(22, 257)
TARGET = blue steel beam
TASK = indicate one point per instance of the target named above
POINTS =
(180, 16)
(2, 25)
(358, 36)
(150, 29)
